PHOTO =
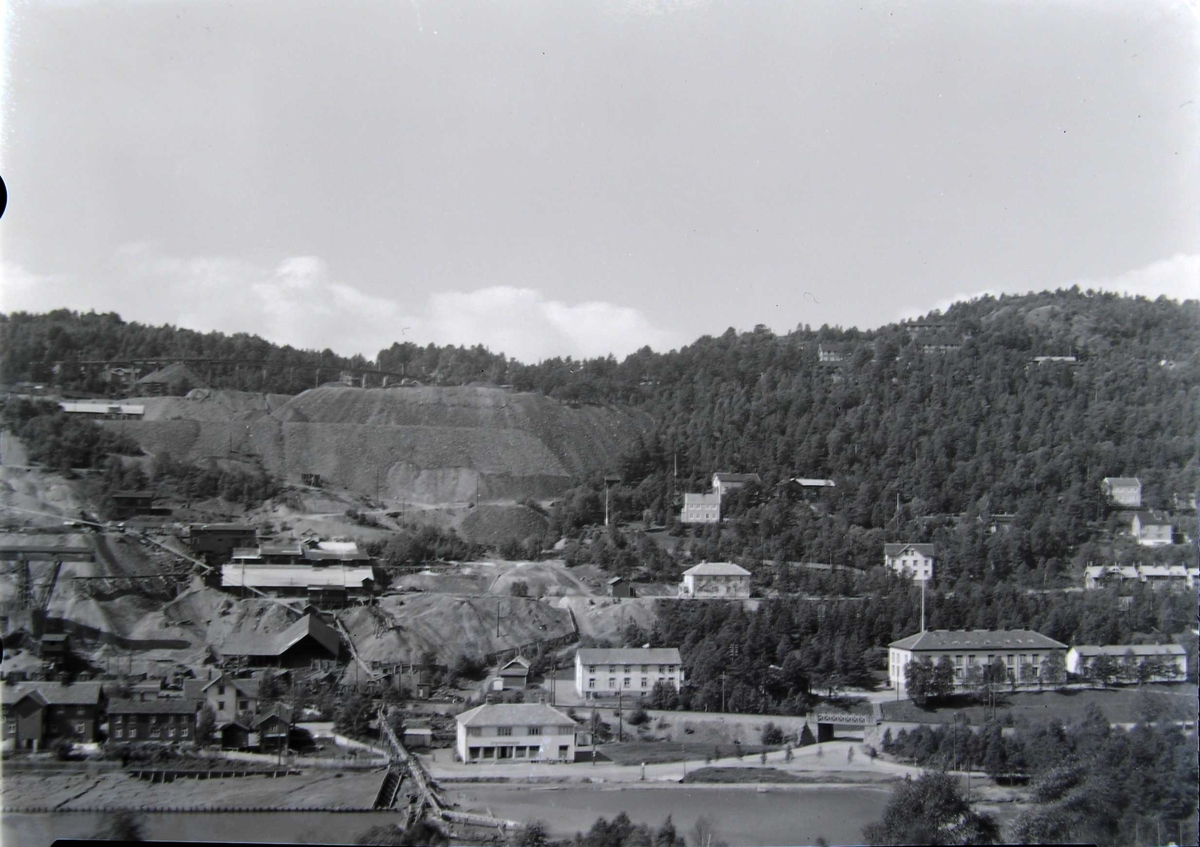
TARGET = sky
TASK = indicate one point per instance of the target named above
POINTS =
(554, 178)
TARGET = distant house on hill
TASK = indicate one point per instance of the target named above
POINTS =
(1151, 529)
(619, 586)
(1021, 650)
(723, 580)
(173, 379)
(1123, 491)
(1157, 577)
(723, 483)
(701, 508)
(127, 504)
(630, 670)
(803, 487)
(913, 560)
(833, 352)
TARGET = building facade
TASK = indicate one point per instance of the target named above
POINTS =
(914, 561)
(1023, 652)
(38, 713)
(700, 509)
(1166, 662)
(163, 720)
(509, 732)
(1157, 577)
(216, 542)
(605, 673)
(1151, 529)
(723, 483)
(1123, 491)
(718, 580)
(229, 697)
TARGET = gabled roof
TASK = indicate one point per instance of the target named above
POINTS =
(737, 477)
(256, 644)
(629, 656)
(515, 714)
(519, 661)
(249, 687)
(716, 569)
(157, 706)
(1122, 480)
(900, 549)
(279, 711)
(55, 693)
(690, 499)
(1137, 650)
(173, 372)
(805, 482)
(1152, 519)
(978, 639)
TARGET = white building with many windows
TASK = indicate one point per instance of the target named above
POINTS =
(506, 732)
(1017, 648)
(912, 560)
(629, 670)
(716, 580)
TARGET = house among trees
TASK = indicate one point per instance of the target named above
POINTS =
(701, 508)
(723, 483)
(1129, 662)
(127, 504)
(1158, 577)
(1151, 529)
(723, 580)
(1123, 491)
(833, 352)
(176, 379)
(798, 488)
(512, 676)
(914, 561)
(161, 719)
(1022, 651)
(532, 732)
(38, 713)
(604, 673)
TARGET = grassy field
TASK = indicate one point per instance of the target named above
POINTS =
(1119, 705)
(657, 752)
(740, 775)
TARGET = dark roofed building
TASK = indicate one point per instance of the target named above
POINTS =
(176, 378)
(216, 542)
(618, 586)
(37, 713)
(297, 646)
(512, 676)
(273, 727)
(126, 504)
(162, 719)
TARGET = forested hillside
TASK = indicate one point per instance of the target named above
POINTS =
(908, 434)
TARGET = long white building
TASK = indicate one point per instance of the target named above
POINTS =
(1017, 648)
(628, 670)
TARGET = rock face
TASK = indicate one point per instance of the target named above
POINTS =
(426, 445)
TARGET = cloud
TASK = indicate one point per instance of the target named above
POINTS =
(300, 302)
(1177, 278)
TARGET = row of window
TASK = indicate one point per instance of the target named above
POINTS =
(153, 718)
(477, 731)
(155, 732)
(612, 682)
(628, 668)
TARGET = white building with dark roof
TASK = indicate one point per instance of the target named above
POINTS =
(701, 508)
(1168, 662)
(507, 732)
(629, 670)
(966, 648)
(1124, 491)
(912, 560)
(716, 580)
(723, 483)
(1151, 529)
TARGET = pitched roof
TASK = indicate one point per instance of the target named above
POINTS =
(1137, 649)
(716, 569)
(630, 656)
(737, 477)
(1122, 480)
(173, 372)
(977, 639)
(690, 499)
(276, 711)
(261, 644)
(515, 714)
(55, 693)
(157, 706)
(899, 549)
(518, 660)
(1152, 519)
(249, 687)
(805, 482)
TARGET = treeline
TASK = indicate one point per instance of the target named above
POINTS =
(420, 543)
(772, 660)
(59, 441)
(1091, 783)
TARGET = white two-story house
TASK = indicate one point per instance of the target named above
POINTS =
(629, 670)
(914, 560)
(507, 732)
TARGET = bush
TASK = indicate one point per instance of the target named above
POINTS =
(771, 735)
(638, 717)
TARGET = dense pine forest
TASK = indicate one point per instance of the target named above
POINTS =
(925, 444)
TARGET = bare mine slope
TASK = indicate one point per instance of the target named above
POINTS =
(422, 445)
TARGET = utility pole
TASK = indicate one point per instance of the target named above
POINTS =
(722, 692)
(922, 605)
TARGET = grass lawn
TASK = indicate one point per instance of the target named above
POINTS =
(1119, 705)
(737, 775)
(657, 752)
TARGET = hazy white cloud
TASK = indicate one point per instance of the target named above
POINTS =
(301, 302)
(1177, 278)
(522, 323)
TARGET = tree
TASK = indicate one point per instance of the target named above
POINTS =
(533, 833)
(205, 724)
(771, 735)
(420, 834)
(668, 836)
(931, 810)
(124, 825)
(1104, 669)
(520, 588)
(354, 714)
(1054, 670)
(705, 834)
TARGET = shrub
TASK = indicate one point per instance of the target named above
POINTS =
(638, 717)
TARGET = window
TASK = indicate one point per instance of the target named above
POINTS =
(971, 659)
(220, 690)
(645, 682)
(220, 705)
(627, 669)
(11, 727)
(170, 732)
(154, 719)
(1024, 658)
(80, 728)
(79, 712)
(1008, 660)
(662, 668)
(592, 682)
(534, 730)
(504, 730)
(474, 731)
(183, 732)
(119, 719)
(243, 704)
(612, 682)
(154, 732)
(1037, 657)
(958, 660)
(120, 733)
(645, 669)
(628, 683)
(591, 668)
